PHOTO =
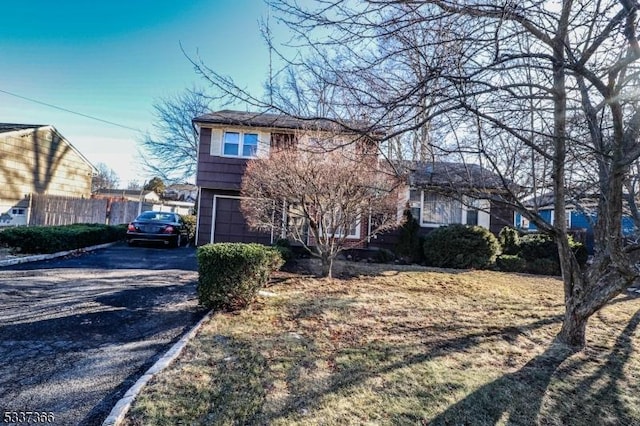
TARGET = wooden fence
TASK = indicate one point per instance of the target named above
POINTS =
(47, 210)
(125, 211)
(57, 210)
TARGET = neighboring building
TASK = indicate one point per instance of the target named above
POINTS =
(581, 218)
(127, 194)
(181, 192)
(37, 159)
(228, 139)
(147, 200)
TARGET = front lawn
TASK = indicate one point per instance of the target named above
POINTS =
(402, 347)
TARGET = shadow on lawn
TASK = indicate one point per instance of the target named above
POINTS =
(513, 399)
(516, 399)
(377, 359)
(600, 394)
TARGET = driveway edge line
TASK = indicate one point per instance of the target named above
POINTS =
(122, 407)
(37, 257)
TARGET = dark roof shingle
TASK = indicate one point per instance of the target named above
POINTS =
(279, 121)
(11, 127)
(424, 174)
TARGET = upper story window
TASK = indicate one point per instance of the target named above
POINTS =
(240, 144)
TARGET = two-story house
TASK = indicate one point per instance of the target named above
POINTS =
(37, 159)
(229, 139)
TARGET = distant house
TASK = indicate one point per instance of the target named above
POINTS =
(229, 139)
(581, 218)
(181, 192)
(127, 194)
(37, 159)
(148, 200)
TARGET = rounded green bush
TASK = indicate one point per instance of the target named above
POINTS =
(537, 247)
(509, 239)
(190, 223)
(230, 274)
(543, 266)
(284, 247)
(511, 263)
(460, 246)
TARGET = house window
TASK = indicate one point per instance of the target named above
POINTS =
(415, 201)
(472, 217)
(283, 141)
(440, 210)
(352, 232)
(238, 144)
(17, 212)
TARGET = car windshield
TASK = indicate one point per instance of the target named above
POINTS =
(158, 216)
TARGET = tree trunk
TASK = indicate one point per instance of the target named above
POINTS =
(589, 291)
(573, 331)
(327, 265)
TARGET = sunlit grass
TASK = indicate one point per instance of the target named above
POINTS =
(382, 346)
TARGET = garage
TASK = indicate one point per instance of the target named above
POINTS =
(229, 224)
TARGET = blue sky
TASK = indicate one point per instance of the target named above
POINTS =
(112, 59)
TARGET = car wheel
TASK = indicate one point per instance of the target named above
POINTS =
(130, 243)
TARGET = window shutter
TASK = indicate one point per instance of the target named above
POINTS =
(216, 142)
(264, 143)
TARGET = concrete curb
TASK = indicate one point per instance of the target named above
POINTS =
(37, 257)
(121, 408)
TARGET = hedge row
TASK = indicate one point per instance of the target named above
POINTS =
(461, 246)
(535, 253)
(230, 274)
(51, 239)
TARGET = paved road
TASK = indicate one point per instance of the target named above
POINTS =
(76, 333)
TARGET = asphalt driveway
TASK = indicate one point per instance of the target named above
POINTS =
(76, 333)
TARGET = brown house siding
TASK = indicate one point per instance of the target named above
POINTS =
(205, 215)
(217, 172)
(230, 224)
(501, 216)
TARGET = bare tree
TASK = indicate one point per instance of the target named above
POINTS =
(106, 178)
(544, 93)
(170, 152)
(320, 200)
(134, 185)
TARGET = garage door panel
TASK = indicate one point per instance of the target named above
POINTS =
(230, 225)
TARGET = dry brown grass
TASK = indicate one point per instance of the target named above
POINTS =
(403, 346)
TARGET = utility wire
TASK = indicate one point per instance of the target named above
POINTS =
(70, 111)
